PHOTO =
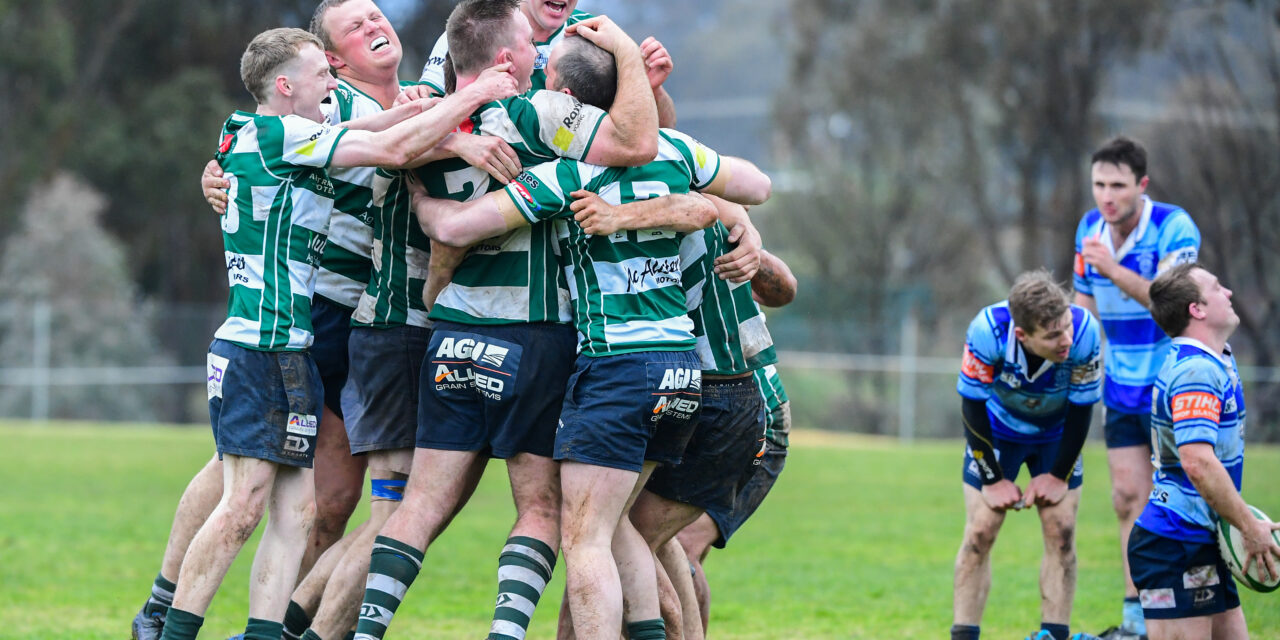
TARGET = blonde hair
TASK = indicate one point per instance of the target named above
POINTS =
(1036, 301)
(266, 53)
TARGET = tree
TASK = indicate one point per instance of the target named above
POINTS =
(62, 259)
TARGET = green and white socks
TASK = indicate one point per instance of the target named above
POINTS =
(524, 569)
(393, 565)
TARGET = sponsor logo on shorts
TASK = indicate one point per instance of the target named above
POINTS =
(216, 367)
(1157, 599)
(681, 378)
(1202, 598)
(449, 379)
(674, 407)
(1203, 576)
(451, 373)
(1192, 405)
(296, 444)
(301, 424)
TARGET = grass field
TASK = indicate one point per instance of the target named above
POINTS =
(856, 541)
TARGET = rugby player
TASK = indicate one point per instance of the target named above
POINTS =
(1198, 416)
(258, 363)
(1031, 374)
(500, 353)
(549, 19)
(1121, 246)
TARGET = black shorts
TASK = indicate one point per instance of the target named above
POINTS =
(1179, 579)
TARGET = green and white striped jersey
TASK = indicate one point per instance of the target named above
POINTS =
(515, 277)
(774, 397)
(274, 229)
(433, 70)
(345, 266)
(400, 254)
(731, 332)
(626, 289)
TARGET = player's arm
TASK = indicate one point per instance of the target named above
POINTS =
(998, 492)
(490, 154)
(444, 261)
(740, 181)
(773, 285)
(628, 135)
(387, 118)
(1210, 478)
(215, 186)
(684, 212)
(1050, 488)
(399, 145)
(462, 224)
(658, 66)
(1097, 255)
(742, 263)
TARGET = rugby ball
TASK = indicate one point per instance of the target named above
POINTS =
(1231, 544)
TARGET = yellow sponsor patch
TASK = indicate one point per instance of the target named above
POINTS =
(700, 156)
(307, 149)
(563, 139)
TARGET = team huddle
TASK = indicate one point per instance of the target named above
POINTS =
(514, 257)
(1033, 368)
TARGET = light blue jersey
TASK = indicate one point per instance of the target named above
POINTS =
(1165, 236)
(1197, 398)
(1027, 406)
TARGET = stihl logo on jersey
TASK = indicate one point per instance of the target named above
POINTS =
(1196, 404)
(974, 368)
(681, 378)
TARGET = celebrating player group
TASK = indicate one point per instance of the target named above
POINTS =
(513, 257)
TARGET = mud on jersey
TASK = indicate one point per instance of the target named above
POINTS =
(274, 229)
(626, 287)
(729, 327)
(514, 277)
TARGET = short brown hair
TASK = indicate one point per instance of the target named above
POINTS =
(1122, 150)
(266, 53)
(1035, 301)
(473, 32)
(588, 71)
(317, 22)
(1172, 294)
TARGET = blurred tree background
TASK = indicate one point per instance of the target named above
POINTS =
(924, 152)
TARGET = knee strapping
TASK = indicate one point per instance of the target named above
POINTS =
(382, 489)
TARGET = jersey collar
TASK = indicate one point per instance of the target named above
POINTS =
(1016, 353)
(1137, 232)
(1224, 357)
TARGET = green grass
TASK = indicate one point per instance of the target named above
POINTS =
(856, 541)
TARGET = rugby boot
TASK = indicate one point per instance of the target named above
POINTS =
(148, 627)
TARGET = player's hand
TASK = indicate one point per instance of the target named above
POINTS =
(494, 83)
(488, 153)
(1260, 547)
(594, 215)
(215, 187)
(657, 62)
(411, 93)
(741, 264)
(1096, 254)
(604, 33)
(1044, 490)
(1001, 495)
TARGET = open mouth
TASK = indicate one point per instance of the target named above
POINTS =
(557, 7)
(379, 43)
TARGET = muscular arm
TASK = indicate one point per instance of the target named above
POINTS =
(628, 136)
(384, 120)
(684, 212)
(401, 144)
(773, 285)
(740, 181)
(462, 224)
(1210, 478)
(444, 261)
(666, 108)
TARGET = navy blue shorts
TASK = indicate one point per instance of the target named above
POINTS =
(722, 455)
(495, 387)
(613, 404)
(331, 325)
(1126, 429)
(757, 487)
(1038, 457)
(1179, 579)
(382, 389)
(264, 404)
